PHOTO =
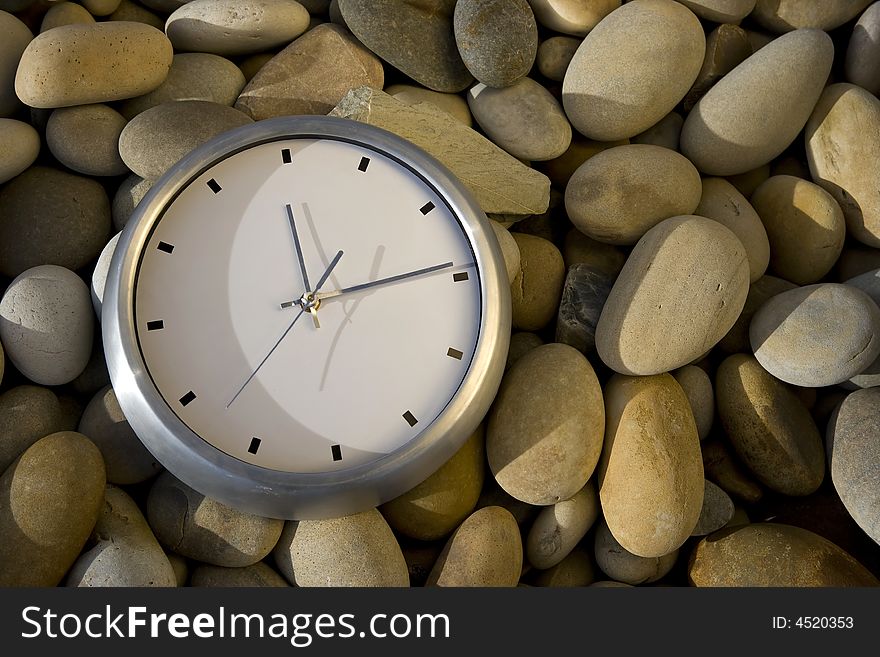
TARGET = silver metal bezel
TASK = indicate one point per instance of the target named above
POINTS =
(273, 493)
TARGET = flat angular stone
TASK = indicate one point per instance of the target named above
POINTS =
(583, 298)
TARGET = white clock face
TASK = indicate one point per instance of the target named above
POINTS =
(321, 384)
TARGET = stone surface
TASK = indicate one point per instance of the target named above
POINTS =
(81, 64)
(575, 17)
(869, 283)
(579, 249)
(27, 413)
(86, 139)
(632, 69)
(722, 468)
(727, 46)
(65, 13)
(720, 11)
(862, 64)
(716, 513)
(554, 55)
(452, 104)
(14, 38)
(256, 575)
(583, 297)
(785, 15)
(560, 527)
(817, 335)
(755, 112)
(664, 133)
(561, 169)
(99, 275)
(623, 566)
(50, 499)
(509, 250)
(129, 10)
(537, 288)
(737, 338)
(576, 569)
(129, 193)
(521, 342)
(19, 147)
(500, 183)
(101, 7)
(697, 386)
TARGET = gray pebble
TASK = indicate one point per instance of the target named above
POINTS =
(863, 52)
(521, 342)
(664, 133)
(583, 296)
(624, 566)
(869, 283)
(86, 139)
(560, 527)
(130, 192)
(717, 510)
(99, 274)
(19, 147)
(27, 413)
(554, 55)
(14, 38)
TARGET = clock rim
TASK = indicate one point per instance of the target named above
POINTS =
(274, 493)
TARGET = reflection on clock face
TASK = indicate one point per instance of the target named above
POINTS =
(257, 368)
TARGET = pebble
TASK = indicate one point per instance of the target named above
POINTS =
(95, 376)
(14, 38)
(680, 291)
(101, 7)
(50, 499)
(434, 508)
(576, 569)
(537, 288)
(619, 194)
(532, 456)
(452, 104)
(650, 430)
(632, 69)
(722, 468)
(554, 55)
(130, 11)
(854, 457)
(497, 39)
(769, 427)
(156, 139)
(65, 13)
(727, 46)
(19, 147)
(862, 66)
(575, 17)
(198, 527)
(717, 510)
(255, 575)
(236, 27)
(769, 554)
(421, 44)
(826, 15)
(623, 566)
(359, 550)
(720, 11)
(486, 551)
(181, 567)
(86, 139)
(125, 551)
(27, 413)
(561, 169)
(817, 335)
(46, 324)
(665, 133)
(130, 192)
(560, 527)
(869, 283)
(99, 274)
(758, 109)
(578, 249)
(697, 386)
(583, 296)
(509, 250)
(737, 338)
(521, 342)
(125, 60)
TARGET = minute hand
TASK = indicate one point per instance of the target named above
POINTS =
(366, 286)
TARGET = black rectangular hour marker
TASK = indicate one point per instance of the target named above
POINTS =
(166, 247)
(214, 185)
(187, 398)
(156, 325)
(254, 446)
(365, 162)
(460, 276)
(409, 417)
(454, 353)
(426, 208)
(336, 450)
(285, 155)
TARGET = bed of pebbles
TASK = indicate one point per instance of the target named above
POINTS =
(687, 195)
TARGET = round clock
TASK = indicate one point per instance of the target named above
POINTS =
(306, 317)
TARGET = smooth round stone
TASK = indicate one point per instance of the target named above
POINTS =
(250, 65)
(869, 283)
(535, 455)
(236, 27)
(359, 550)
(497, 39)
(554, 55)
(805, 227)
(440, 503)
(717, 510)
(65, 13)
(180, 566)
(509, 250)
(95, 376)
(126, 458)
(664, 133)
(576, 569)
(623, 566)
(131, 11)
(27, 413)
(680, 291)
(619, 194)
(131, 191)
(193, 76)
(818, 335)
(101, 7)
(126, 553)
(698, 388)
(452, 104)
(724, 469)
(782, 16)
(769, 427)
(99, 275)
(651, 472)
(256, 575)
(584, 295)
(862, 65)
(86, 139)
(521, 342)
(81, 64)
(560, 527)
(156, 139)
(758, 109)
(843, 151)
(19, 147)
(417, 38)
(537, 288)
(336, 63)
(203, 529)
(524, 119)
(632, 69)
(720, 11)
(50, 499)
(769, 554)
(561, 169)
(579, 249)
(46, 324)
(722, 202)
(575, 17)
(485, 550)
(14, 38)
(854, 457)
(746, 183)
(737, 338)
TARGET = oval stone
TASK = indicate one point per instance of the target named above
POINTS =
(27, 413)
(99, 275)
(680, 291)
(572, 16)
(755, 112)
(130, 192)
(818, 335)
(737, 338)
(869, 283)
(784, 15)
(537, 288)
(717, 510)
(651, 472)
(554, 55)
(255, 575)
(86, 139)
(720, 11)
(769, 554)
(632, 69)
(81, 64)
(576, 569)
(129, 10)
(65, 13)
(49, 502)
(617, 195)
(698, 388)
(544, 434)
(19, 147)
(724, 469)
(623, 566)
(14, 38)
(863, 51)
(560, 527)
(664, 133)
